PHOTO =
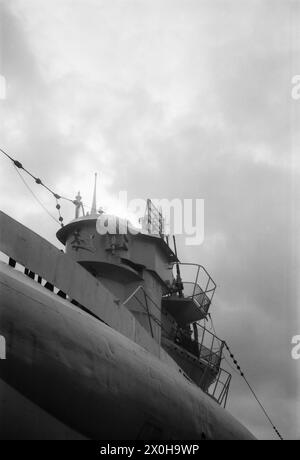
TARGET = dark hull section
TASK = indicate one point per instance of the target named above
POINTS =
(22, 419)
(69, 376)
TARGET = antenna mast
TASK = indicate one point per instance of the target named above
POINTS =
(179, 284)
(94, 203)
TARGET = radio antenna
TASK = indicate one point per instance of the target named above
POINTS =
(179, 283)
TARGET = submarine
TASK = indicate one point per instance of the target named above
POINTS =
(107, 339)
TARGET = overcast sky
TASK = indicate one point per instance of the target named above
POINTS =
(173, 99)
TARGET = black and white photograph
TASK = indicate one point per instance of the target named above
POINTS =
(149, 223)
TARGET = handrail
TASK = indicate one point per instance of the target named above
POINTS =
(201, 295)
(220, 342)
(211, 353)
(219, 390)
(209, 278)
(202, 292)
(132, 295)
(147, 311)
(140, 287)
(209, 350)
(207, 346)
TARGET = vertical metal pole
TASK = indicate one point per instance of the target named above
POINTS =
(213, 295)
(208, 281)
(206, 291)
(217, 382)
(227, 390)
(196, 338)
(200, 349)
(179, 280)
(221, 352)
(211, 350)
(196, 282)
(160, 217)
(149, 214)
(228, 381)
(150, 324)
(222, 394)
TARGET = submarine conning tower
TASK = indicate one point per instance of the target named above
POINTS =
(142, 271)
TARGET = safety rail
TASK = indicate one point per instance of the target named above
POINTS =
(190, 294)
(201, 343)
(202, 289)
(145, 306)
(210, 346)
(219, 390)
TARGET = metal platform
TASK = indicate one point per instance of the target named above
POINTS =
(194, 302)
(200, 357)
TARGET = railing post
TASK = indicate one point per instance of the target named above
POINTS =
(201, 346)
(196, 282)
(227, 390)
(223, 392)
(217, 382)
(206, 288)
(150, 324)
(211, 350)
(221, 352)
(132, 295)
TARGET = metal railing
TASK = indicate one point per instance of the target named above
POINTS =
(210, 346)
(202, 289)
(145, 306)
(201, 343)
(219, 390)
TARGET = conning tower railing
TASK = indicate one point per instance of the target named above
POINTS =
(201, 343)
(202, 289)
(192, 301)
(197, 341)
(146, 302)
(207, 348)
(219, 390)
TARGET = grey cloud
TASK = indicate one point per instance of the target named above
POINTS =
(209, 150)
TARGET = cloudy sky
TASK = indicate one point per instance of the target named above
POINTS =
(173, 98)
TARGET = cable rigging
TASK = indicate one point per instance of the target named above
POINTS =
(35, 197)
(18, 166)
(239, 371)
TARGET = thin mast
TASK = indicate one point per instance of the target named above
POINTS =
(94, 203)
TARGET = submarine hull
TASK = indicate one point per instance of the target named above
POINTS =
(68, 375)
